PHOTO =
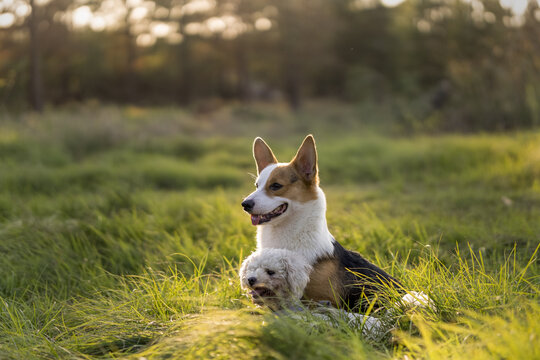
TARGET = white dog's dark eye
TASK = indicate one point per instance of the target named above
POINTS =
(275, 186)
(270, 272)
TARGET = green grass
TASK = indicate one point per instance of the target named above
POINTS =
(121, 234)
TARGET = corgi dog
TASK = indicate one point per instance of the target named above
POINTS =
(289, 209)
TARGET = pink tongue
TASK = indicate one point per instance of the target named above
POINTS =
(255, 219)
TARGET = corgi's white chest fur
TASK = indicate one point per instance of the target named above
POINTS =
(303, 230)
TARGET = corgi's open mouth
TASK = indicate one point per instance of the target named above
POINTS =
(262, 218)
(261, 292)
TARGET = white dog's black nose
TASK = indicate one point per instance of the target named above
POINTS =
(252, 280)
(248, 205)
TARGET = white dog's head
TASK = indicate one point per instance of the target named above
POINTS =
(282, 188)
(274, 277)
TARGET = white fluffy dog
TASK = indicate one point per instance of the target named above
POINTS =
(275, 277)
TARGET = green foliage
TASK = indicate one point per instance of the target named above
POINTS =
(433, 65)
(130, 247)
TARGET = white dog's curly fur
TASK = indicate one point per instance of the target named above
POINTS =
(275, 277)
(278, 278)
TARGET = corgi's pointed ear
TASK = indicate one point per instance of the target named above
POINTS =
(263, 154)
(305, 161)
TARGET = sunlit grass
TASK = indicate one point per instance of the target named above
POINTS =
(121, 236)
(203, 315)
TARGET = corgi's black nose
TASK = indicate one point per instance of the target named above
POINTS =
(252, 280)
(248, 205)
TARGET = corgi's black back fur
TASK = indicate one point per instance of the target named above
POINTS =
(360, 279)
(346, 279)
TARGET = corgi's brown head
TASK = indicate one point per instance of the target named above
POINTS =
(281, 186)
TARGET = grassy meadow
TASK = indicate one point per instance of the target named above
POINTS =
(121, 233)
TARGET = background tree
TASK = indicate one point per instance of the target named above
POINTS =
(36, 83)
(456, 65)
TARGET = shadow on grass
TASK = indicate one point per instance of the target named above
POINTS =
(128, 345)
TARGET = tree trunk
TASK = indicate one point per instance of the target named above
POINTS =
(242, 61)
(131, 52)
(291, 55)
(293, 84)
(36, 83)
(242, 69)
(184, 59)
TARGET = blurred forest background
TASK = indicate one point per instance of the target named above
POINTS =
(443, 65)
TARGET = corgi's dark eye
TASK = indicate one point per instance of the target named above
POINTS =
(270, 272)
(256, 185)
(275, 186)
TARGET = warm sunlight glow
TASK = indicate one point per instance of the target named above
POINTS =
(82, 16)
(161, 12)
(194, 28)
(145, 40)
(215, 24)
(6, 20)
(490, 17)
(111, 14)
(23, 10)
(263, 24)
(391, 3)
(160, 29)
(138, 13)
(98, 23)
(518, 7)
(133, 3)
(513, 21)
(198, 6)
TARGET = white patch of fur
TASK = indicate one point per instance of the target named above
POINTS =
(417, 299)
(302, 228)
(264, 203)
(291, 273)
(372, 327)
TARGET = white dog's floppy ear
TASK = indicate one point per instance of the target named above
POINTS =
(298, 271)
(305, 161)
(263, 154)
(243, 272)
